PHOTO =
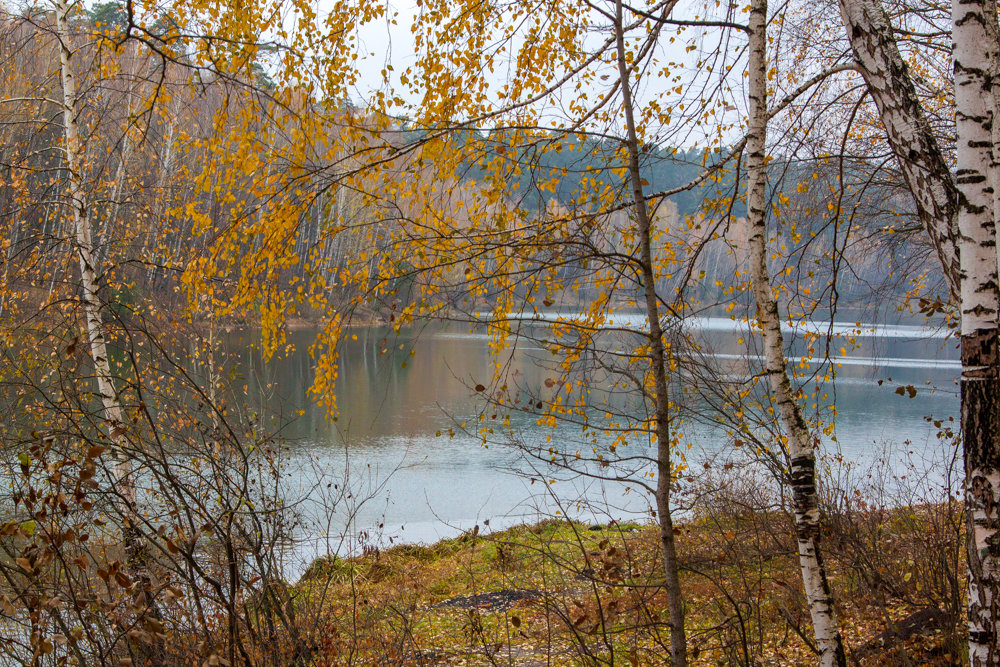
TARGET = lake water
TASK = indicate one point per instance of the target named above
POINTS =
(411, 481)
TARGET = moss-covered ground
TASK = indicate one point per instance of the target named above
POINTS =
(566, 593)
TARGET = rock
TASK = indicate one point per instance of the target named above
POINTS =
(492, 601)
(921, 622)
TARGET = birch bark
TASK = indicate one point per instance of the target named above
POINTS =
(968, 205)
(974, 57)
(801, 451)
(992, 28)
(658, 361)
(84, 244)
(90, 300)
(917, 150)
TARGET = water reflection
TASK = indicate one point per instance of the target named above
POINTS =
(400, 397)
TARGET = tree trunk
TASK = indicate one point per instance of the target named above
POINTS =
(84, 245)
(992, 42)
(917, 151)
(658, 363)
(801, 451)
(967, 205)
(90, 299)
(974, 57)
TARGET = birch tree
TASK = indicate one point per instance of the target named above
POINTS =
(975, 55)
(90, 301)
(78, 203)
(476, 255)
(908, 131)
(800, 445)
(960, 215)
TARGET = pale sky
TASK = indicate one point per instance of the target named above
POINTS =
(384, 44)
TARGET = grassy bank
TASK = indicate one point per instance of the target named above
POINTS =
(564, 593)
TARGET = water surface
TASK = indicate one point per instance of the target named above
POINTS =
(416, 475)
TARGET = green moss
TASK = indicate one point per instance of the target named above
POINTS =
(331, 568)
(595, 589)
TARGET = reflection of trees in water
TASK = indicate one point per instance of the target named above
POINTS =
(381, 399)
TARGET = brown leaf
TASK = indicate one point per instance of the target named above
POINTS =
(154, 625)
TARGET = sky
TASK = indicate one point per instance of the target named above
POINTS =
(383, 43)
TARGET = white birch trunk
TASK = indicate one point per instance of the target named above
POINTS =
(800, 443)
(971, 211)
(135, 552)
(974, 58)
(84, 244)
(992, 42)
(916, 148)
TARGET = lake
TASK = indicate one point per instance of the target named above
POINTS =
(410, 480)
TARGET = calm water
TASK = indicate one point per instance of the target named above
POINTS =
(409, 480)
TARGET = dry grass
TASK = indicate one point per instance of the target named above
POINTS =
(563, 593)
